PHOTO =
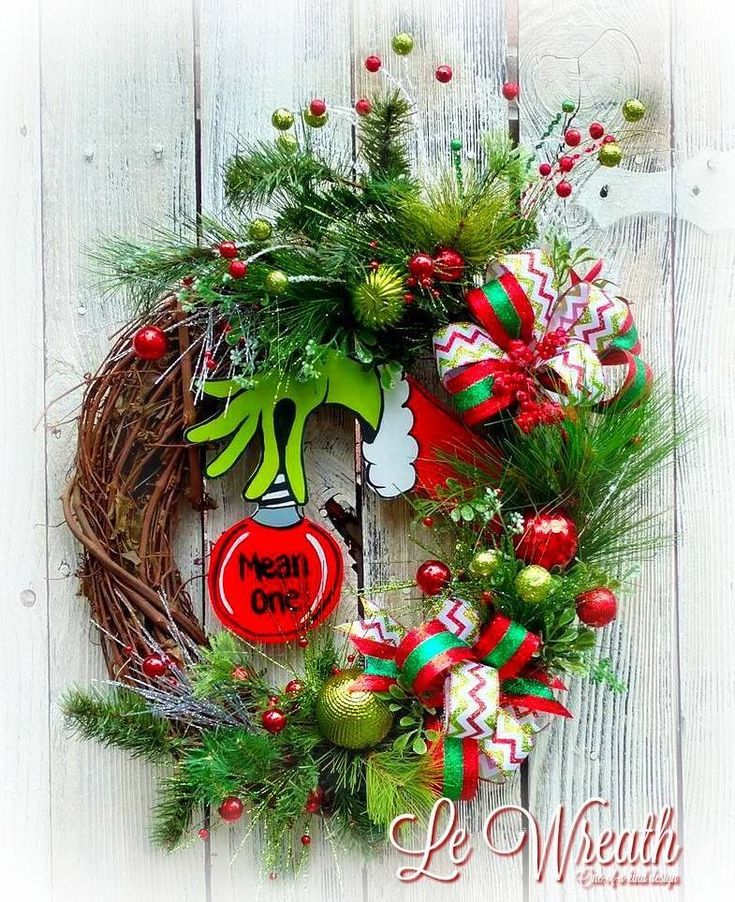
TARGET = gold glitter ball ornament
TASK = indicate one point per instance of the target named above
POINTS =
(276, 282)
(402, 44)
(288, 143)
(610, 154)
(485, 563)
(352, 720)
(315, 121)
(260, 230)
(282, 119)
(534, 583)
(633, 110)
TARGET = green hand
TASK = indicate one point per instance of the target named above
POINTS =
(248, 411)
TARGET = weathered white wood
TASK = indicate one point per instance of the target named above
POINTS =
(25, 831)
(622, 748)
(117, 132)
(703, 82)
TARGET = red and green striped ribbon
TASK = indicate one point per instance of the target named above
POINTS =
(507, 646)
(426, 653)
(474, 394)
(458, 762)
(504, 309)
(379, 674)
(532, 694)
(638, 379)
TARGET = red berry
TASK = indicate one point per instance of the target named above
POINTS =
(510, 90)
(545, 169)
(154, 666)
(350, 659)
(305, 840)
(240, 673)
(150, 343)
(428, 522)
(336, 669)
(294, 686)
(187, 281)
(408, 298)
(314, 800)
(443, 74)
(597, 607)
(596, 130)
(317, 107)
(128, 650)
(231, 809)
(273, 720)
(228, 250)
(432, 577)
(564, 189)
(373, 63)
(566, 164)
(272, 700)
(421, 266)
(608, 139)
(375, 264)
(238, 269)
(448, 264)
(204, 833)
(572, 137)
(487, 597)
(363, 107)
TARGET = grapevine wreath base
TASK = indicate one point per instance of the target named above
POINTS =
(324, 283)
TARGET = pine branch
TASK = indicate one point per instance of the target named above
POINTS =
(383, 137)
(397, 784)
(174, 810)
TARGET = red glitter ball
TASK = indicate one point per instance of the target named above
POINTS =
(317, 107)
(564, 189)
(428, 522)
(597, 607)
(608, 139)
(238, 269)
(548, 539)
(294, 686)
(596, 130)
(566, 164)
(510, 90)
(240, 673)
(448, 265)
(363, 107)
(273, 720)
(303, 641)
(306, 840)
(421, 266)
(408, 298)
(443, 74)
(373, 63)
(432, 577)
(204, 833)
(545, 169)
(154, 666)
(150, 343)
(231, 809)
(228, 250)
(572, 137)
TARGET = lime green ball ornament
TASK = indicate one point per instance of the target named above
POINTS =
(533, 584)
(568, 106)
(276, 282)
(315, 121)
(260, 230)
(485, 563)
(633, 110)
(352, 720)
(610, 154)
(378, 302)
(288, 143)
(402, 44)
(282, 119)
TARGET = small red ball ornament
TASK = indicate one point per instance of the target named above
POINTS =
(548, 539)
(228, 250)
(597, 607)
(306, 840)
(231, 809)
(428, 522)
(564, 188)
(314, 800)
(566, 164)
(510, 90)
(154, 666)
(487, 597)
(432, 577)
(293, 687)
(363, 107)
(572, 137)
(317, 107)
(373, 63)
(303, 642)
(421, 266)
(204, 833)
(273, 720)
(608, 139)
(443, 74)
(545, 169)
(150, 343)
(596, 130)
(238, 269)
(448, 265)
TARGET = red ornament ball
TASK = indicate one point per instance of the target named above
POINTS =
(572, 137)
(448, 265)
(317, 107)
(373, 63)
(444, 74)
(231, 809)
(204, 833)
(566, 164)
(597, 607)
(314, 800)
(608, 139)
(150, 343)
(273, 720)
(154, 666)
(293, 687)
(428, 522)
(228, 250)
(238, 269)
(487, 597)
(421, 266)
(303, 641)
(596, 130)
(548, 539)
(432, 577)
(545, 169)
(564, 188)
(510, 90)
(363, 107)
(408, 298)
(306, 840)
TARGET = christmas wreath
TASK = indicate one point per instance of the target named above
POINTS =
(327, 279)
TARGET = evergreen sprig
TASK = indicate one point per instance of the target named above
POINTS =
(383, 138)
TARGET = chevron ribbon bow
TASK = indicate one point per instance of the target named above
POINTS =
(479, 675)
(530, 343)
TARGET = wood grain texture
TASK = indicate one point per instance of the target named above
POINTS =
(117, 131)
(623, 748)
(25, 834)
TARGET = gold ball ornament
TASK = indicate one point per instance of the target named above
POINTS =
(633, 110)
(533, 584)
(315, 121)
(610, 154)
(282, 119)
(485, 563)
(352, 720)
(402, 44)
(260, 230)
(276, 282)
(288, 143)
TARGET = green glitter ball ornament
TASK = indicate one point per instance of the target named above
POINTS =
(633, 110)
(485, 563)
(378, 302)
(260, 230)
(288, 143)
(568, 106)
(456, 144)
(282, 119)
(610, 154)
(352, 720)
(402, 44)
(276, 282)
(315, 121)
(533, 584)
